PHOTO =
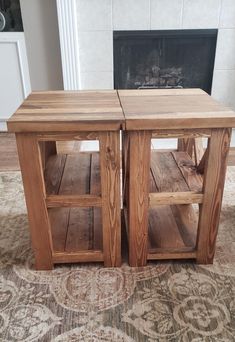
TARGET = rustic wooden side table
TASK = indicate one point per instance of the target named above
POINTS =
(162, 189)
(73, 201)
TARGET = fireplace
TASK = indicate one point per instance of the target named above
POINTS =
(164, 59)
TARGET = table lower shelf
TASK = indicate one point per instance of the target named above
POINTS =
(172, 232)
(76, 234)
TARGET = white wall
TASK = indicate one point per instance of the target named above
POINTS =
(42, 43)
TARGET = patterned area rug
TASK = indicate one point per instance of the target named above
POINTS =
(163, 302)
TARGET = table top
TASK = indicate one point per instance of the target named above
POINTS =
(150, 109)
(68, 111)
(147, 109)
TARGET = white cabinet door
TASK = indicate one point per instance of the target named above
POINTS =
(14, 74)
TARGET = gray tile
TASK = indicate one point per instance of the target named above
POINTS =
(166, 14)
(131, 14)
(201, 13)
(96, 80)
(225, 50)
(94, 15)
(223, 87)
(227, 17)
(96, 51)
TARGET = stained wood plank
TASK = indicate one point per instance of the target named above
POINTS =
(163, 230)
(157, 109)
(32, 174)
(65, 137)
(139, 152)
(54, 201)
(53, 173)
(83, 256)
(189, 171)
(213, 191)
(76, 181)
(186, 145)
(202, 165)
(95, 188)
(80, 230)
(181, 133)
(48, 149)
(54, 112)
(110, 185)
(168, 177)
(198, 150)
(164, 198)
(76, 176)
(59, 219)
(187, 222)
(171, 255)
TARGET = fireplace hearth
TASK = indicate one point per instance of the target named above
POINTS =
(164, 59)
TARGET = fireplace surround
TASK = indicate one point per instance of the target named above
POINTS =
(164, 59)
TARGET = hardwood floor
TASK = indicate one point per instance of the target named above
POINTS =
(9, 158)
(8, 153)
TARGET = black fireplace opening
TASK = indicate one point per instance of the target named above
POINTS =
(164, 59)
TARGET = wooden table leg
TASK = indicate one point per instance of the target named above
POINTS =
(111, 201)
(48, 148)
(214, 177)
(139, 154)
(32, 174)
(125, 167)
(186, 145)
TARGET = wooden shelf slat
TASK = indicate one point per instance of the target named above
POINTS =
(174, 179)
(164, 255)
(54, 172)
(76, 176)
(167, 176)
(59, 220)
(189, 171)
(85, 256)
(75, 219)
(95, 188)
(187, 223)
(164, 198)
(54, 201)
(163, 231)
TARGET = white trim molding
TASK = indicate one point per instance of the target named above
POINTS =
(17, 39)
(68, 30)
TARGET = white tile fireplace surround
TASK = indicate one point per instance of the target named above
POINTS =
(97, 19)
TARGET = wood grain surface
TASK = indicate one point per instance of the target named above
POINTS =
(139, 154)
(111, 199)
(215, 171)
(173, 109)
(63, 111)
(32, 174)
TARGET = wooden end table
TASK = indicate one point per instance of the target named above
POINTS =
(161, 189)
(73, 201)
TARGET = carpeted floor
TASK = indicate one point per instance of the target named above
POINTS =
(163, 302)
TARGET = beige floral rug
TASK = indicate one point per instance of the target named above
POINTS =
(163, 302)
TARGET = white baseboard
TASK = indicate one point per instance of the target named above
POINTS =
(3, 126)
